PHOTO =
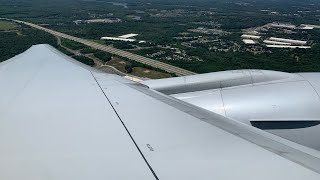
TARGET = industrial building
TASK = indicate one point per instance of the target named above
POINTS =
(125, 38)
(282, 25)
(118, 39)
(310, 25)
(106, 20)
(248, 41)
(276, 42)
(128, 36)
(247, 36)
(291, 47)
(292, 41)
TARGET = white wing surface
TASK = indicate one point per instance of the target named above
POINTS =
(61, 120)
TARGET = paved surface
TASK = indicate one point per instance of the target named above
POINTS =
(138, 58)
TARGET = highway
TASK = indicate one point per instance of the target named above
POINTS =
(160, 65)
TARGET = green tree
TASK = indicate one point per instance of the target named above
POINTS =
(128, 68)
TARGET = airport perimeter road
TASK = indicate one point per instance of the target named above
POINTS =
(138, 58)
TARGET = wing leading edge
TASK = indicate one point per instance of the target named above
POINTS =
(61, 120)
(55, 123)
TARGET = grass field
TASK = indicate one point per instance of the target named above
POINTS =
(5, 26)
(143, 72)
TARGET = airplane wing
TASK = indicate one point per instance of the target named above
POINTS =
(62, 120)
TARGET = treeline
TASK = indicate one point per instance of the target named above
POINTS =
(64, 51)
(103, 56)
(84, 60)
(88, 51)
(72, 44)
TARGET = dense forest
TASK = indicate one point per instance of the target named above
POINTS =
(13, 43)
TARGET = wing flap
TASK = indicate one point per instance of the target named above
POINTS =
(180, 145)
